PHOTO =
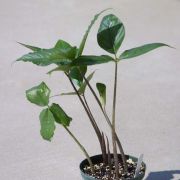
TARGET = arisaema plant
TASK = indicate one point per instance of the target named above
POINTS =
(71, 61)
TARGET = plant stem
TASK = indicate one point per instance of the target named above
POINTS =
(82, 148)
(109, 123)
(103, 145)
(91, 118)
(90, 113)
(114, 125)
(119, 145)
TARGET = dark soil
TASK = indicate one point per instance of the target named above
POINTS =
(105, 172)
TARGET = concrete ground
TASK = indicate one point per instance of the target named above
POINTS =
(148, 102)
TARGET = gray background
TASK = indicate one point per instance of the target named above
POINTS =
(148, 87)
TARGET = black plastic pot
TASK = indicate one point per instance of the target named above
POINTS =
(98, 159)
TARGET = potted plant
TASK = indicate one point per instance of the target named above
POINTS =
(71, 61)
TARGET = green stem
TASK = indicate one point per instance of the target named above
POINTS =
(114, 125)
(82, 148)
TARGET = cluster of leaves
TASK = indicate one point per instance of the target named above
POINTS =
(63, 55)
(110, 36)
(70, 60)
(40, 95)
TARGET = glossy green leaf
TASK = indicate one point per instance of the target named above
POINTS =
(60, 116)
(140, 50)
(33, 48)
(66, 48)
(91, 60)
(63, 44)
(39, 95)
(77, 74)
(81, 47)
(61, 54)
(102, 92)
(111, 33)
(46, 57)
(47, 122)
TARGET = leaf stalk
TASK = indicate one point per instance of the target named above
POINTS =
(109, 123)
(91, 118)
(114, 125)
(82, 148)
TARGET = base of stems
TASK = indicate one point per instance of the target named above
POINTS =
(98, 159)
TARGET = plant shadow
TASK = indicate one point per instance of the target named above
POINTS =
(164, 175)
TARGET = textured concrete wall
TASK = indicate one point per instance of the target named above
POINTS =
(148, 114)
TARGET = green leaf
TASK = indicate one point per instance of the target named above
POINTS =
(33, 48)
(63, 45)
(66, 48)
(111, 33)
(81, 47)
(83, 70)
(91, 60)
(77, 74)
(102, 92)
(39, 95)
(60, 116)
(61, 54)
(140, 50)
(46, 57)
(47, 124)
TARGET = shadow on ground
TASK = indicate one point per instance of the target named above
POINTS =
(164, 175)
